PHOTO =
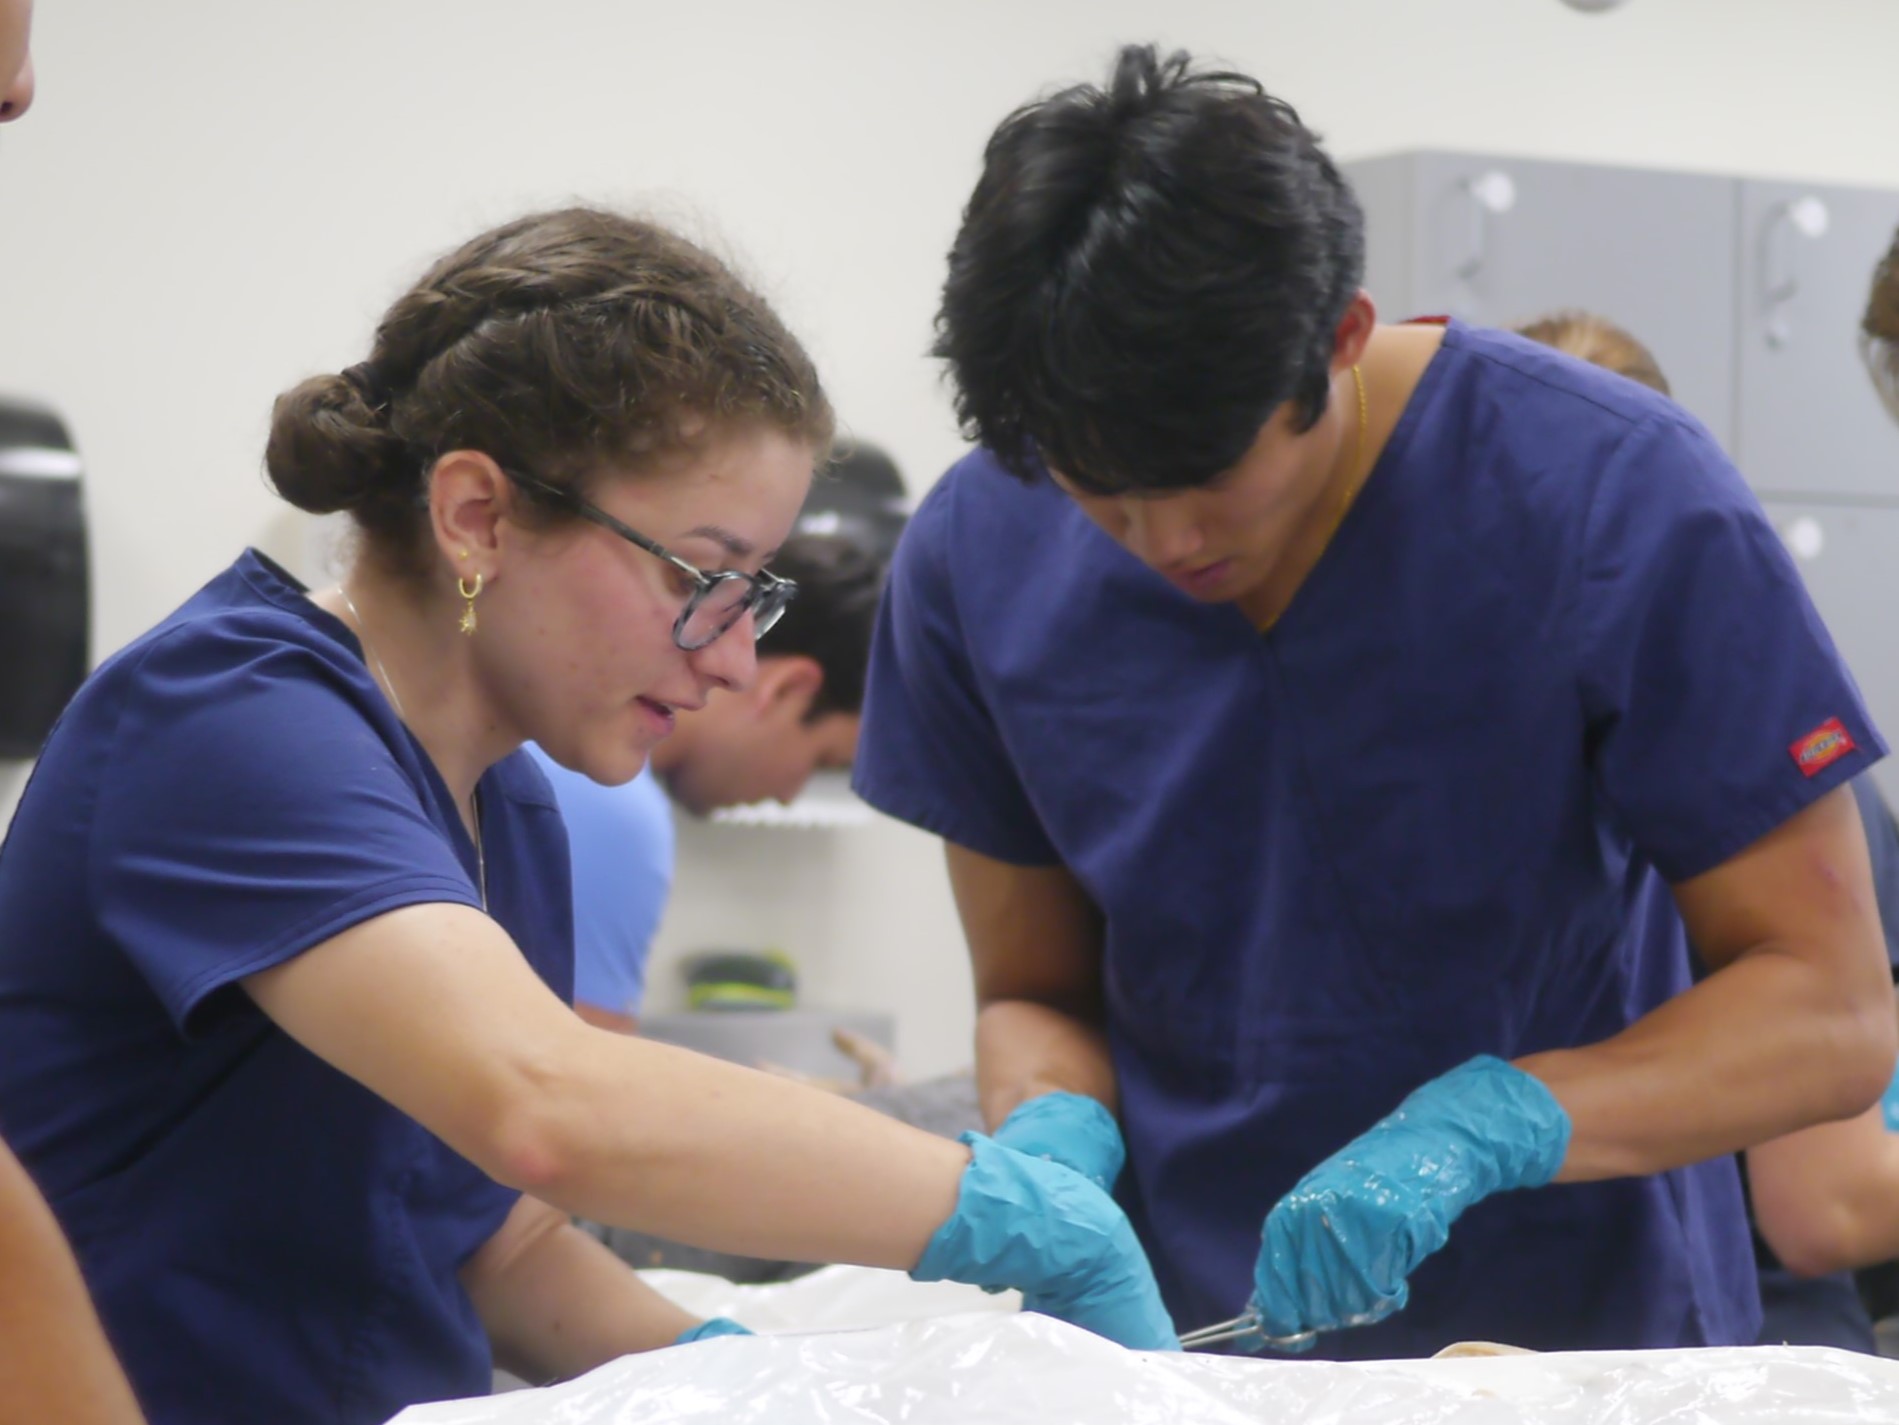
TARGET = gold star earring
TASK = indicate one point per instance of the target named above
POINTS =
(469, 621)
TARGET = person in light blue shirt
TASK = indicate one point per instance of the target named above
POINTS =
(620, 841)
(763, 743)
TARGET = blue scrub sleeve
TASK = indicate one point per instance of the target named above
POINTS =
(929, 751)
(1716, 702)
(249, 810)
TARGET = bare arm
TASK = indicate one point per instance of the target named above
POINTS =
(433, 1008)
(556, 1302)
(1794, 1026)
(1035, 944)
(54, 1360)
(1827, 1198)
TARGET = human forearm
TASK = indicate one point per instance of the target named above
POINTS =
(647, 1136)
(1827, 1199)
(1035, 945)
(433, 1008)
(1770, 1044)
(1024, 1049)
(54, 1360)
(1793, 1027)
(556, 1302)
(723, 1157)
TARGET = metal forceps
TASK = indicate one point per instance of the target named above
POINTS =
(1238, 1329)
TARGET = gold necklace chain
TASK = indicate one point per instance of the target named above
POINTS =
(1353, 486)
(389, 687)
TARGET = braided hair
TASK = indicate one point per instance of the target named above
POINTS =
(557, 344)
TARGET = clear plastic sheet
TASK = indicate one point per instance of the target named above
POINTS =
(830, 1299)
(987, 1368)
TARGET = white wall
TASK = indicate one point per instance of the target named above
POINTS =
(215, 197)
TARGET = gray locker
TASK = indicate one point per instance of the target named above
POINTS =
(1847, 555)
(1499, 240)
(1808, 421)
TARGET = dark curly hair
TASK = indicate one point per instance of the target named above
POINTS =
(558, 343)
(1144, 273)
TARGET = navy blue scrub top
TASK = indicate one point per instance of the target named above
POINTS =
(1554, 658)
(265, 1238)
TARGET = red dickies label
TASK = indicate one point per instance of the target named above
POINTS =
(1822, 747)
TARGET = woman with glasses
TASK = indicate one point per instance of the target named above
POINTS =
(285, 932)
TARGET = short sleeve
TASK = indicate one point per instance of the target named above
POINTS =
(250, 807)
(930, 752)
(1716, 703)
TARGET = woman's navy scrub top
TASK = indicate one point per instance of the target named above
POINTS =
(1554, 659)
(266, 1239)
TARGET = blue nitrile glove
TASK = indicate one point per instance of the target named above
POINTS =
(1035, 1225)
(1337, 1249)
(712, 1326)
(1889, 1104)
(1071, 1129)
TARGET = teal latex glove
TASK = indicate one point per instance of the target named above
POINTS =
(712, 1326)
(1338, 1248)
(1071, 1129)
(1040, 1227)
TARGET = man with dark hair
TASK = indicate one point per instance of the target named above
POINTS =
(1317, 713)
(764, 742)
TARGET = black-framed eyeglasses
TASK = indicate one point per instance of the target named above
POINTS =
(717, 601)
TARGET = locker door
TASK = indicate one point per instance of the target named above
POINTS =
(1384, 187)
(1848, 555)
(1501, 240)
(1808, 420)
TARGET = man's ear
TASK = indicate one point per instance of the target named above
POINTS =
(1354, 331)
(787, 683)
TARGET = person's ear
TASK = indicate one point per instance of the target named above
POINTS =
(787, 685)
(469, 497)
(1353, 332)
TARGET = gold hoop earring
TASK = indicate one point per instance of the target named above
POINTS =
(468, 611)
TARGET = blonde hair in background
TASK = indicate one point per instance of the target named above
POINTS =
(1600, 342)
(1879, 329)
